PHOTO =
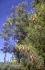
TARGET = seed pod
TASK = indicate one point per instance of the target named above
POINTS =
(40, 65)
(31, 24)
(33, 16)
(28, 49)
(31, 57)
(23, 49)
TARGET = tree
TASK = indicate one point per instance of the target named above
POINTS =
(30, 34)
(39, 23)
(34, 31)
(4, 51)
(31, 30)
(9, 30)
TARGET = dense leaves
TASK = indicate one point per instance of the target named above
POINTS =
(30, 34)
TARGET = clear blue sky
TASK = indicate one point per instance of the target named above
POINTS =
(5, 11)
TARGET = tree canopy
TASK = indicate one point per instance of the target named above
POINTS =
(29, 32)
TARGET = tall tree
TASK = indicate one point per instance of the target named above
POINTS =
(33, 29)
(39, 23)
(11, 29)
(30, 34)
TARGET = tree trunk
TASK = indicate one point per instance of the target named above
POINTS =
(5, 58)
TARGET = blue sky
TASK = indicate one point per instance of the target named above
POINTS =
(6, 11)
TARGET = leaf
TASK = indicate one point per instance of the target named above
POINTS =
(14, 61)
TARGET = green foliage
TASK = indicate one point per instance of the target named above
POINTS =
(11, 66)
(31, 32)
(14, 61)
